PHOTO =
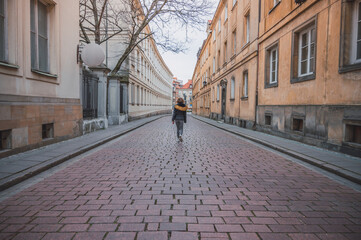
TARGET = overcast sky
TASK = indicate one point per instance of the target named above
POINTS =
(182, 64)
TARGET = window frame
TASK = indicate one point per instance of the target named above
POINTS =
(217, 93)
(36, 66)
(225, 12)
(233, 88)
(247, 22)
(295, 54)
(219, 24)
(245, 85)
(268, 65)
(5, 35)
(308, 32)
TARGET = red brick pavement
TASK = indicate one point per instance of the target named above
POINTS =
(211, 186)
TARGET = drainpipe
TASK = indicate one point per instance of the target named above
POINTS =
(256, 101)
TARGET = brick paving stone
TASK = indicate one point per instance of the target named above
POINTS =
(274, 236)
(173, 226)
(184, 236)
(102, 227)
(229, 228)
(131, 227)
(58, 236)
(208, 235)
(244, 236)
(303, 236)
(152, 236)
(23, 236)
(201, 228)
(121, 236)
(75, 228)
(89, 236)
(146, 184)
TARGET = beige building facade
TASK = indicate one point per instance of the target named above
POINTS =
(39, 73)
(226, 70)
(304, 79)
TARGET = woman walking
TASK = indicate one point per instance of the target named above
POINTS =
(180, 117)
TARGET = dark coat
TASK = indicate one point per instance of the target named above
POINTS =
(180, 112)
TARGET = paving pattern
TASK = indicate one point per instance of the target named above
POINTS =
(148, 186)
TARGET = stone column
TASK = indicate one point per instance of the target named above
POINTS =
(113, 100)
(101, 72)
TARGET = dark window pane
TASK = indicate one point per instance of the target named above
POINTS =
(32, 15)
(2, 39)
(359, 11)
(33, 50)
(304, 67)
(359, 31)
(2, 7)
(358, 50)
(42, 20)
(304, 54)
(273, 76)
(304, 39)
(312, 64)
(312, 50)
(43, 54)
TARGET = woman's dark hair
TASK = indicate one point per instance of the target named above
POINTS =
(180, 100)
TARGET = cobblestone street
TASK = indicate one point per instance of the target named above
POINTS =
(214, 185)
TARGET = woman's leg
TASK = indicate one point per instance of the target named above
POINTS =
(177, 123)
(181, 128)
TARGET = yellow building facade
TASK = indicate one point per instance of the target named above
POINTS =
(304, 71)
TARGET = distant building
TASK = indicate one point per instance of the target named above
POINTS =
(183, 91)
(39, 74)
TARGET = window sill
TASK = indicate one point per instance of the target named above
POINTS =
(244, 98)
(271, 85)
(9, 65)
(349, 68)
(231, 99)
(274, 7)
(44, 73)
(304, 78)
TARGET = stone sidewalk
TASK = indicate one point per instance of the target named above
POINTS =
(340, 164)
(16, 168)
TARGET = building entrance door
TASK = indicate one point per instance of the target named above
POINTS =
(224, 92)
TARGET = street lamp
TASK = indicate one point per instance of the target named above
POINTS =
(92, 55)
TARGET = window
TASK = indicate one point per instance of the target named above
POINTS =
(219, 25)
(297, 124)
(234, 2)
(138, 95)
(234, 42)
(225, 52)
(353, 133)
(213, 93)
(350, 45)
(219, 59)
(304, 53)
(225, 12)
(245, 85)
(48, 130)
(214, 64)
(218, 92)
(271, 76)
(268, 119)
(247, 28)
(214, 34)
(232, 87)
(3, 32)
(39, 36)
(5, 139)
(306, 56)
